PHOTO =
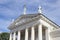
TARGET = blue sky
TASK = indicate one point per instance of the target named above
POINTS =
(11, 9)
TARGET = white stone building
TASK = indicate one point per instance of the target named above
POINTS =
(32, 27)
(55, 34)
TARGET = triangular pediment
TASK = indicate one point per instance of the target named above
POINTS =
(28, 18)
(25, 18)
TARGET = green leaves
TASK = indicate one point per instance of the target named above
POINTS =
(4, 36)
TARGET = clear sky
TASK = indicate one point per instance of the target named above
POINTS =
(11, 9)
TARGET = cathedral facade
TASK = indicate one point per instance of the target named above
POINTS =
(32, 27)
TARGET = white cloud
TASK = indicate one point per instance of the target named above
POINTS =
(13, 8)
(0, 31)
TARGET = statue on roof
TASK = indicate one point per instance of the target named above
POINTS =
(24, 9)
(39, 9)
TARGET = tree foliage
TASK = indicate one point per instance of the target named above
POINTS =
(4, 36)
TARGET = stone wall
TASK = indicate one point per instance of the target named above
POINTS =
(55, 35)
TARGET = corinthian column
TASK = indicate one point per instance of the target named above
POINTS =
(19, 35)
(10, 36)
(40, 32)
(14, 36)
(32, 34)
(49, 37)
(26, 34)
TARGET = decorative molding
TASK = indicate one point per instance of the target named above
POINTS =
(24, 21)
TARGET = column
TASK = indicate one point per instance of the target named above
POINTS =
(40, 32)
(46, 33)
(10, 36)
(32, 34)
(19, 35)
(49, 30)
(14, 36)
(26, 34)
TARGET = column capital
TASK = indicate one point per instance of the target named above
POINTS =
(40, 21)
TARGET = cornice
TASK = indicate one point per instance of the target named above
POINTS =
(49, 21)
(31, 20)
(37, 17)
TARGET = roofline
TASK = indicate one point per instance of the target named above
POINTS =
(43, 16)
(51, 21)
